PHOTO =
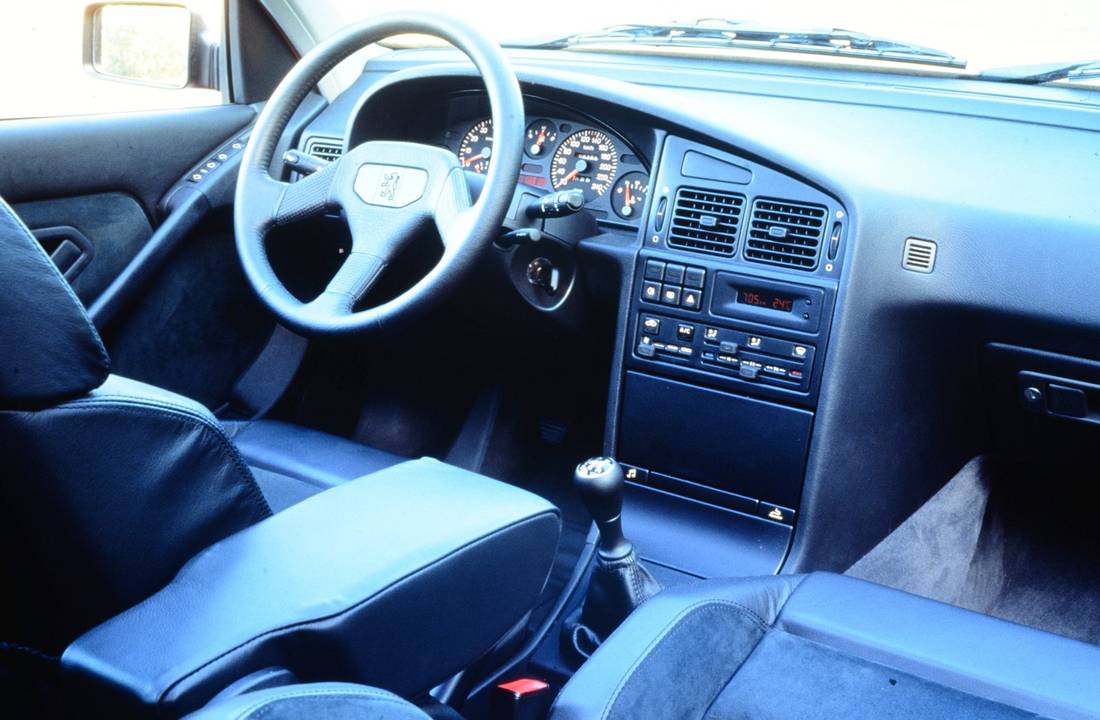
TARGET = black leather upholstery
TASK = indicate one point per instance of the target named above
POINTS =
(105, 497)
(291, 462)
(49, 350)
(317, 701)
(825, 646)
(397, 580)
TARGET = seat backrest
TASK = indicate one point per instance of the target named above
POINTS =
(107, 486)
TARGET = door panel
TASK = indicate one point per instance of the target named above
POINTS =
(140, 154)
(114, 223)
(193, 324)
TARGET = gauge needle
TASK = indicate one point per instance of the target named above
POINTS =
(471, 160)
(542, 137)
(626, 188)
(572, 174)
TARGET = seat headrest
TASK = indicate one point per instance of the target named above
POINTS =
(49, 349)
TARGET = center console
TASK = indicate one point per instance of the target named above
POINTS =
(728, 326)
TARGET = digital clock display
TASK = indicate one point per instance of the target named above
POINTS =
(765, 299)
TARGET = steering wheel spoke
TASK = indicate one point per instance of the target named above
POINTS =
(308, 197)
(356, 276)
(453, 213)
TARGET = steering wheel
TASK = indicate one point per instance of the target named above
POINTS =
(387, 191)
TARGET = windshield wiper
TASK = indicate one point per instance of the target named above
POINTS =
(727, 33)
(1040, 74)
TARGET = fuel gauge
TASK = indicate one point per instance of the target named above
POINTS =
(541, 135)
(628, 197)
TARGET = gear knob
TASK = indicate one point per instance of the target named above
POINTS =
(600, 481)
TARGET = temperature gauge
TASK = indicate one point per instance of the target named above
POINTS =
(541, 135)
(628, 197)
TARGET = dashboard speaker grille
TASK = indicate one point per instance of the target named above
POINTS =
(783, 232)
(919, 255)
(325, 148)
(706, 221)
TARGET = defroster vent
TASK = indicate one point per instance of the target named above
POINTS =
(706, 221)
(783, 232)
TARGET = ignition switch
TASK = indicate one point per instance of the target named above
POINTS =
(543, 274)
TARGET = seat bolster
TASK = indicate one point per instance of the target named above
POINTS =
(112, 493)
(677, 650)
(314, 701)
(980, 655)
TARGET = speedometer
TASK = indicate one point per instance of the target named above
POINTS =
(587, 159)
(477, 147)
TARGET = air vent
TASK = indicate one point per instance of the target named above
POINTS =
(327, 149)
(706, 221)
(786, 233)
(919, 255)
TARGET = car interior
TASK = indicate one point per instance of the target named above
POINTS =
(553, 381)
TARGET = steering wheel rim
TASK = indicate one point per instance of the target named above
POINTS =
(386, 190)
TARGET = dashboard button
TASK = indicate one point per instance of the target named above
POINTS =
(695, 277)
(685, 332)
(692, 299)
(728, 347)
(651, 291)
(749, 372)
(710, 335)
(674, 273)
(670, 295)
(654, 270)
(651, 325)
(646, 350)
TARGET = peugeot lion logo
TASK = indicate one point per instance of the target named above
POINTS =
(387, 190)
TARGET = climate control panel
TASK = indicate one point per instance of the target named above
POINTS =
(748, 356)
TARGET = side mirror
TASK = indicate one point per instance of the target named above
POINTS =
(149, 43)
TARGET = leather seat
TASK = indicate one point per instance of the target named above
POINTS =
(826, 646)
(111, 485)
(291, 462)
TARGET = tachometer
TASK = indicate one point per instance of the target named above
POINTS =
(477, 147)
(587, 159)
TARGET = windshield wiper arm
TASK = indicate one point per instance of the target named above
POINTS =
(1040, 74)
(725, 33)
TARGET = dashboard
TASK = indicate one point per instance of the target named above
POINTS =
(890, 398)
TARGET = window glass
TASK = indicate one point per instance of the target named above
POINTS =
(139, 61)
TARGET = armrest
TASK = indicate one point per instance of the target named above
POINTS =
(398, 579)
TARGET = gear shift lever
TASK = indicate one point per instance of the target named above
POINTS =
(600, 481)
(620, 583)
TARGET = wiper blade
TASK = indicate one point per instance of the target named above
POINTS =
(726, 33)
(1040, 74)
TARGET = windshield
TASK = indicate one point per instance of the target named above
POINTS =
(986, 34)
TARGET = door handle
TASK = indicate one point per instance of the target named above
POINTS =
(68, 248)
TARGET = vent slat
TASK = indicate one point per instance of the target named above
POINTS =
(706, 221)
(325, 148)
(784, 232)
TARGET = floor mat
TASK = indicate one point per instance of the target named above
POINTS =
(1014, 541)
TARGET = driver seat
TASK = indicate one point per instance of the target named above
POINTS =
(110, 485)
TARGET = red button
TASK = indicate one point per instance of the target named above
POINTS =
(523, 686)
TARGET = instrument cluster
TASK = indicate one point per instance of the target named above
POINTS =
(562, 155)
